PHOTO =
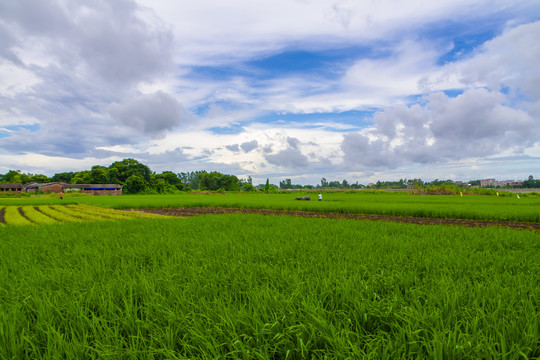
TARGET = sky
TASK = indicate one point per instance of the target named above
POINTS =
(277, 89)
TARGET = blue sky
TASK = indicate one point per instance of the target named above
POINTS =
(340, 89)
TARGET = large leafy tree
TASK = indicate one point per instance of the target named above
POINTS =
(135, 184)
(63, 177)
(216, 180)
(129, 167)
(98, 175)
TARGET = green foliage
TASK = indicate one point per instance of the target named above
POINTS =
(267, 186)
(39, 178)
(63, 177)
(531, 183)
(401, 184)
(268, 287)
(216, 180)
(130, 167)
(82, 177)
(248, 187)
(15, 177)
(167, 182)
(191, 179)
(98, 175)
(135, 184)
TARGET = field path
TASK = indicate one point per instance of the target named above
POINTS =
(193, 211)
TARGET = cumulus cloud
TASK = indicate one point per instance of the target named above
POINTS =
(152, 114)
(509, 60)
(249, 145)
(474, 124)
(233, 148)
(64, 63)
(107, 39)
(290, 158)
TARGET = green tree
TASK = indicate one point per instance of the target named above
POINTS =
(12, 177)
(267, 186)
(39, 178)
(63, 177)
(82, 177)
(171, 179)
(135, 184)
(128, 167)
(216, 180)
(98, 175)
(112, 176)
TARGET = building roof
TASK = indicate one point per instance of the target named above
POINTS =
(92, 186)
(33, 185)
(10, 186)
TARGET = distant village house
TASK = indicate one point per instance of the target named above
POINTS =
(61, 187)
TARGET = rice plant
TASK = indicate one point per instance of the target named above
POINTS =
(13, 215)
(263, 287)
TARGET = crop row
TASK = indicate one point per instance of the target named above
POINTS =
(53, 214)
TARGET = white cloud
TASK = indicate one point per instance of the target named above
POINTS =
(474, 124)
(63, 64)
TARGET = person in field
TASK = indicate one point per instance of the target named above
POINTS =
(61, 196)
(320, 197)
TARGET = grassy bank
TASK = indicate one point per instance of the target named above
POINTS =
(262, 287)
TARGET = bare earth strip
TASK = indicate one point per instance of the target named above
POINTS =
(20, 210)
(403, 219)
(2, 212)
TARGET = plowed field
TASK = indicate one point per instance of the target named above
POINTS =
(194, 211)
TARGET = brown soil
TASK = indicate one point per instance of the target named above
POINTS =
(183, 212)
(2, 212)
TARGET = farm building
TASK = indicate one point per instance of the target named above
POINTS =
(36, 187)
(94, 189)
(17, 188)
(58, 187)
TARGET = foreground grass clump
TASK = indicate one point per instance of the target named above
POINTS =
(262, 287)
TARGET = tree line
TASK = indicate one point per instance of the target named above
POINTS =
(136, 177)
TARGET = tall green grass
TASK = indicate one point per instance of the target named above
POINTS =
(268, 287)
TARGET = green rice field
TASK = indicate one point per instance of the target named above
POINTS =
(102, 284)
(503, 208)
